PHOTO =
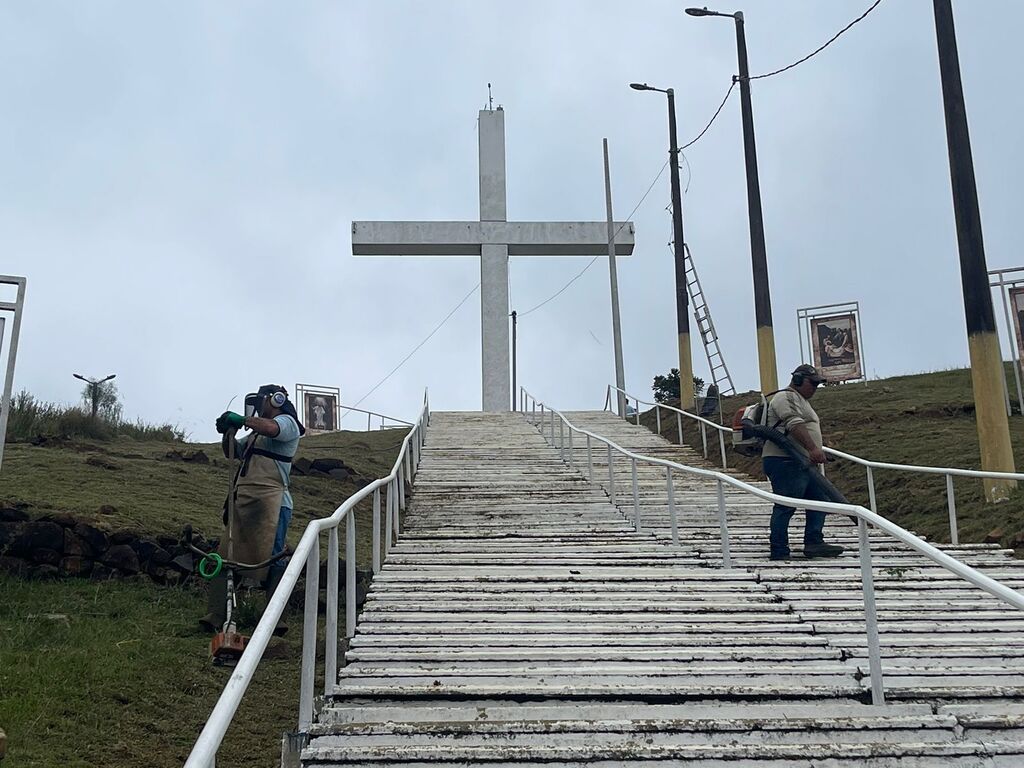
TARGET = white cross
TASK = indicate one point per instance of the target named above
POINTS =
(493, 239)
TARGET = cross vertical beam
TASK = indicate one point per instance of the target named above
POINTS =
(494, 309)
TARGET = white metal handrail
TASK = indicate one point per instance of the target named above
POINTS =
(343, 409)
(204, 751)
(869, 465)
(865, 517)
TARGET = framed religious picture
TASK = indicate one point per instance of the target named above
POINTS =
(320, 411)
(1017, 307)
(836, 348)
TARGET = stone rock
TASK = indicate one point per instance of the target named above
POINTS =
(326, 465)
(75, 545)
(37, 535)
(8, 533)
(108, 509)
(122, 557)
(146, 548)
(301, 466)
(994, 536)
(101, 571)
(340, 474)
(163, 575)
(102, 463)
(123, 537)
(13, 565)
(93, 536)
(184, 563)
(1018, 541)
(44, 572)
(167, 542)
(46, 556)
(76, 566)
(191, 457)
(63, 519)
(9, 514)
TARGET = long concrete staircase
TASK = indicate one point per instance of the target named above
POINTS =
(521, 620)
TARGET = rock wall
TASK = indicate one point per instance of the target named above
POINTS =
(60, 545)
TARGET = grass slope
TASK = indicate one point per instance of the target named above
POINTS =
(925, 419)
(116, 673)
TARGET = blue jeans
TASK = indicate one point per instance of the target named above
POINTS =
(790, 479)
(283, 520)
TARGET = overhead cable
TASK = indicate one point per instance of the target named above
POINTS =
(714, 117)
(815, 52)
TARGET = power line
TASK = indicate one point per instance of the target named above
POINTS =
(416, 348)
(714, 117)
(591, 263)
(815, 52)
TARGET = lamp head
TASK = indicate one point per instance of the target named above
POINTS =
(699, 12)
(640, 87)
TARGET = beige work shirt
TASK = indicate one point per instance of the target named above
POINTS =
(786, 410)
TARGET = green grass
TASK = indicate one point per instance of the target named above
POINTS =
(113, 674)
(123, 677)
(925, 419)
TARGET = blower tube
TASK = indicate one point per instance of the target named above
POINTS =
(786, 443)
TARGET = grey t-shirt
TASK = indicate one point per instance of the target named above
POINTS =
(786, 410)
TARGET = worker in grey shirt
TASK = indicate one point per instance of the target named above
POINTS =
(790, 411)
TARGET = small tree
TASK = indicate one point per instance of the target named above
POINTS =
(667, 387)
(103, 400)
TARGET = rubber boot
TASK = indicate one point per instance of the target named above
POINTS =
(216, 605)
(273, 579)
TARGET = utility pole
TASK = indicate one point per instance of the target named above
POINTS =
(620, 374)
(686, 394)
(983, 343)
(514, 392)
(758, 253)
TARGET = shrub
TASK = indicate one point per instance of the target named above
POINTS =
(32, 419)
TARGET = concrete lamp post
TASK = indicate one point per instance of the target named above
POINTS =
(686, 393)
(758, 255)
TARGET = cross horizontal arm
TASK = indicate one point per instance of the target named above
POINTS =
(464, 238)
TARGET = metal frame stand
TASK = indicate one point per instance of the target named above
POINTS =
(1005, 280)
(16, 307)
(301, 390)
(806, 315)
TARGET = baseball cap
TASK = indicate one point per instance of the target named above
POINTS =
(809, 372)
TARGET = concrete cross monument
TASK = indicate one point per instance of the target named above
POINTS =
(493, 238)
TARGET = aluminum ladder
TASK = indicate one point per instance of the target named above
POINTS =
(708, 335)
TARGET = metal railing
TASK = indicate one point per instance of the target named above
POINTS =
(307, 552)
(545, 421)
(870, 466)
(398, 423)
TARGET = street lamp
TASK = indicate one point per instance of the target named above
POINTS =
(758, 255)
(686, 394)
(94, 389)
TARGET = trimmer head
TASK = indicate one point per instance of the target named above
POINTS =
(227, 647)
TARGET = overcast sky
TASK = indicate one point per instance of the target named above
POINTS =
(180, 178)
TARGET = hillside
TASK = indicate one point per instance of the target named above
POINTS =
(115, 672)
(924, 419)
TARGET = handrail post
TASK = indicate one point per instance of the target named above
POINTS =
(572, 458)
(561, 439)
(552, 429)
(657, 416)
(389, 520)
(611, 475)
(871, 491)
(541, 422)
(397, 509)
(636, 499)
(704, 437)
(400, 483)
(608, 398)
(331, 620)
(723, 527)
(590, 462)
(376, 530)
(350, 575)
(679, 426)
(672, 506)
(954, 534)
(870, 615)
(308, 674)
(637, 401)
(721, 444)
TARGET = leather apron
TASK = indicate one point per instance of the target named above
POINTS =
(259, 491)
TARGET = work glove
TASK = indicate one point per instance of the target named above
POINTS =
(229, 420)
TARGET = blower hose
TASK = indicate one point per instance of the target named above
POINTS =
(786, 443)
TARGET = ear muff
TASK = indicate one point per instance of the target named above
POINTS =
(278, 399)
(798, 379)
